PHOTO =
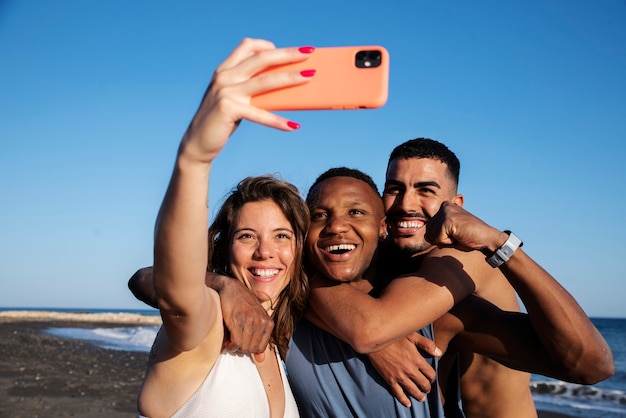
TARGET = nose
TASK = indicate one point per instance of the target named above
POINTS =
(407, 202)
(263, 250)
(336, 225)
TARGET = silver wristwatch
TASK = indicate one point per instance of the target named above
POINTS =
(505, 252)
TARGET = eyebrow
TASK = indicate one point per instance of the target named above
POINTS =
(426, 184)
(247, 229)
(415, 185)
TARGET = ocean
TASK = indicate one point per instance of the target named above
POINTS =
(606, 399)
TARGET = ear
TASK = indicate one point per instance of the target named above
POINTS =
(458, 200)
(382, 233)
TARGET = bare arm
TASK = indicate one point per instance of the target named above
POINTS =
(180, 252)
(556, 328)
(248, 325)
(510, 338)
(407, 304)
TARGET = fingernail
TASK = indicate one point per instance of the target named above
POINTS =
(307, 73)
(306, 49)
(293, 125)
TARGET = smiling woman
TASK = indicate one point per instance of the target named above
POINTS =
(257, 237)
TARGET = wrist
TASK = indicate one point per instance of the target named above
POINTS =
(504, 252)
(216, 281)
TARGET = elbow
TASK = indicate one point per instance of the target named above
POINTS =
(603, 368)
(593, 367)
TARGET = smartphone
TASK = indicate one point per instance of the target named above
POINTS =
(347, 77)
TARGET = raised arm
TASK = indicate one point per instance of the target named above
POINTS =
(188, 307)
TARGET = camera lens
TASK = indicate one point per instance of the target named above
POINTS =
(368, 59)
(374, 55)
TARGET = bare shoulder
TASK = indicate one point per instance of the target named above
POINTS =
(489, 283)
(470, 264)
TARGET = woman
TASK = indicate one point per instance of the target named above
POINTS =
(257, 237)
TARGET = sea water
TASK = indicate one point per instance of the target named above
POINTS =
(606, 399)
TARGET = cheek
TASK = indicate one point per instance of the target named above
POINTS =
(288, 255)
(388, 202)
(239, 255)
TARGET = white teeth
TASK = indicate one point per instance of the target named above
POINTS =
(410, 224)
(265, 272)
(340, 247)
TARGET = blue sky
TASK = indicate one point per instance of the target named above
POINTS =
(94, 97)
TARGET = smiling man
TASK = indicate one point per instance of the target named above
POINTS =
(421, 201)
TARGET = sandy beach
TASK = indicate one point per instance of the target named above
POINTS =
(45, 376)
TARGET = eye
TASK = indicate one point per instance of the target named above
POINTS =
(355, 212)
(316, 216)
(284, 236)
(244, 236)
(427, 190)
(392, 190)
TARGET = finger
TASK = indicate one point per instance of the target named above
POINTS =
(266, 118)
(399, 394)
(258, 341)
(267, 62)
(414, 390)
(425, 344)
(270, 61)
(246, 48)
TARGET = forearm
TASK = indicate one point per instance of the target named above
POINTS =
(564, 329)
(180, 252)
(188, 308)
(369, 324)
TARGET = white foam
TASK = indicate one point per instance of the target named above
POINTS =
(118, 338)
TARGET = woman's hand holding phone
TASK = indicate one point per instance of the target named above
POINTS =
(228, 98)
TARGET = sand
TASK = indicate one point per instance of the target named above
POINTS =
(46, 376)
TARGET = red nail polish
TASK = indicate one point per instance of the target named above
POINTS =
(306, 49)
(307, 73)
(293, 125)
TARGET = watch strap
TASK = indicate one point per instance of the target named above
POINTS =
(505, 251)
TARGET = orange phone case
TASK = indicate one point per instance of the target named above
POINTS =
(337, 84)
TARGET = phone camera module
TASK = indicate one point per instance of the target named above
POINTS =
(368, 59)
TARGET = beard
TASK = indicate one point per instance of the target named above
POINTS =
(412, 249)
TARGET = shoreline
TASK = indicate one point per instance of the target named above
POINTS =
(104, 317)
(42, 375)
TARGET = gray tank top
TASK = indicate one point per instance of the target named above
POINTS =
(329, 379)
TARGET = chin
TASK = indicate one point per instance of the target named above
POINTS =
(342, 277)
(411, 247)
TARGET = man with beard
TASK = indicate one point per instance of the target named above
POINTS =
(422, 174)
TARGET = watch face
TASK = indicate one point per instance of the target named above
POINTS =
(505, 252)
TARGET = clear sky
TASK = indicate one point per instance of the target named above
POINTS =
(95, 96)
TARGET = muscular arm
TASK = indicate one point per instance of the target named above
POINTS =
(407, 304)
(564, 333)
(511, 339)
